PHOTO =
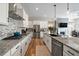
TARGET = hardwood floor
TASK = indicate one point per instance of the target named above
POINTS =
(37, 48)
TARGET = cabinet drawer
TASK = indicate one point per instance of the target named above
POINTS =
(70, 51)
(15, 49)
(17, 53)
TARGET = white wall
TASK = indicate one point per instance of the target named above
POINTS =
(73, 25)
(42, 21)
(3, 13)
(62, 20)
(43, 24)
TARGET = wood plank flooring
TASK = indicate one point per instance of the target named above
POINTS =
(37, 48)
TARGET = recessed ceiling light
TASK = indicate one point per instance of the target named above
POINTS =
(37, 9)
(14, 5)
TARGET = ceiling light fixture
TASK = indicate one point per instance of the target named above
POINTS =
(14, 5)
(68, 12)
(37, 9)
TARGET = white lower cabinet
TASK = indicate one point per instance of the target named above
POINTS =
(16, 51)
(47, 41)
(67, 51)
(25, 43)
(21, 48)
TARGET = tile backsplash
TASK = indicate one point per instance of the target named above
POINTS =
(13, 26)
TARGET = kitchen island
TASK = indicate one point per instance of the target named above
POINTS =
(69, 44)
(72, 42)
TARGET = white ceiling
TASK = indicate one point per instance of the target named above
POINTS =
(47, 9)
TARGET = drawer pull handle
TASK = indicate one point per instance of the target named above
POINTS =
(70, 53)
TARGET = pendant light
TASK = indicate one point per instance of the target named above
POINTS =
(54, 11)
(55, 17)
(68, 12)
(67, 8)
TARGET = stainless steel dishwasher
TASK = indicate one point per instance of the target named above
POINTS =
(57, 48)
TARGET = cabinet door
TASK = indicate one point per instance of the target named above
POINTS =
(17, 53)
(23, 48)
(47, 41)
(4, 13)
(16, 50)
(25, 21)
(24, 43)
(29, 40)
(19, 9)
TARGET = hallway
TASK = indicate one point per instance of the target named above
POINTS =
(37, 48)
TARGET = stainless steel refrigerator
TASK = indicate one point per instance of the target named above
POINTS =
(36, 32)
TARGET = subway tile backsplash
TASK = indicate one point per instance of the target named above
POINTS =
(13, 26)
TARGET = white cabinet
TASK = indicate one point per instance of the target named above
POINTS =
(4, 13)
(25, 21)
(25, 43)
(16, 8)
(47, 41)
(67, 51)
(19, 9)
(16, 51)
(41, 34)
(21, 48)
(29, 39)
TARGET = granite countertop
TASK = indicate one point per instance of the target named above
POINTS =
(72, 42)
(7, 44)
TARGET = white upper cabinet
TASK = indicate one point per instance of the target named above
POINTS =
(15, 11)
(25, 21)
(19, 10)
(4, 13)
